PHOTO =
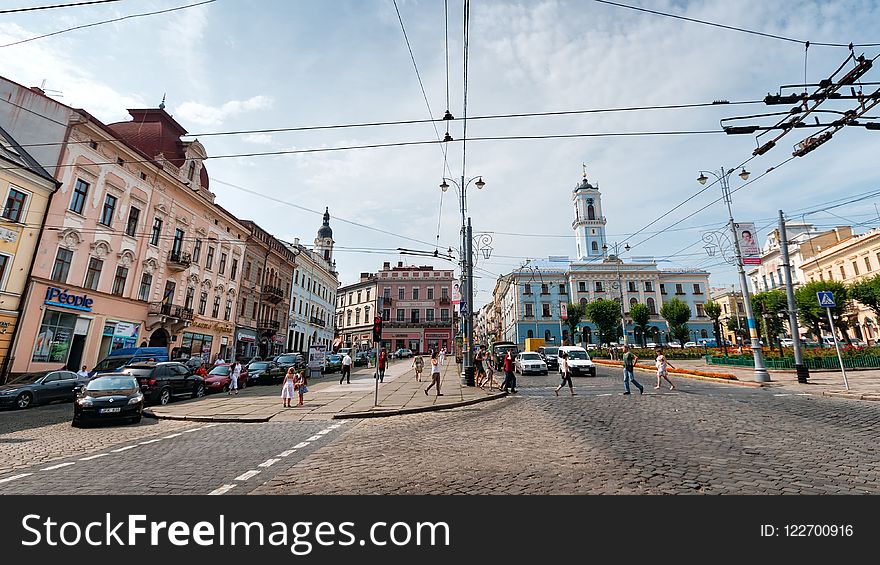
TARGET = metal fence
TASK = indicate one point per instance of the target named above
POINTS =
(861, 362)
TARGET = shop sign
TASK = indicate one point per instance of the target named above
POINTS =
(436, 335)
(126, 329)
(60, 297)
(245, 336)
(278, 338)
(205, 325)
(8, 235)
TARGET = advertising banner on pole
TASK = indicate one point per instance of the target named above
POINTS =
(456, 292)
(563, 310)
(747, 237)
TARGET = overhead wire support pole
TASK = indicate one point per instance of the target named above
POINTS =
(803, 373)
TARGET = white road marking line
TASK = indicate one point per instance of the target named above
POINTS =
(333, 427)
(286, 453)
(222, 490)
(58, 466)
(301, 444)
(171, 436)
(314, 438)
(608, 394)
(268, 462)
(212, 425)
(248, 475)
(784, 394)
(804, 394)
(126, 448)
(13, 477)
(149, 441)
(90, 457)
(193, 430)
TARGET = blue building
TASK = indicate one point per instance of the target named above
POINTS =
(531, 296)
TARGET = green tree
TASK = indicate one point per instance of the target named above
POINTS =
(767, 306)
(867, 292)
(813, 315)
(713, 310)
(677, 313)
(576, 313)
(606, 315)
(641, 316)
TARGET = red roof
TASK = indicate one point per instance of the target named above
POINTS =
(154, 132)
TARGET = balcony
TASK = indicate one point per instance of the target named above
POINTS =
(270, 326)
(444, 301)
(179, 260)
(317, 322)
(272, 294)
(170, 316)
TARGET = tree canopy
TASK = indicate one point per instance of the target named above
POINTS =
(677, 313)
(606, 315)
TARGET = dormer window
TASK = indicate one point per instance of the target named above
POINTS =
(192, 170)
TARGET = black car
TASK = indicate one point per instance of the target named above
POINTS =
(288, 360)
(264, 372)
(161, 382)
(113, 396)
(550, 355)
(361, 359)
(41, 388)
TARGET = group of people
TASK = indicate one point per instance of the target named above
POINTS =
(438, 358)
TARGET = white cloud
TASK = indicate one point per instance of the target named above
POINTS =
(258, 138)
(202, 114)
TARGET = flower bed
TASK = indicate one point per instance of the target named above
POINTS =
(725, 376)
(669, 352)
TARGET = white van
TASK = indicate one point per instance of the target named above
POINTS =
(579, 362)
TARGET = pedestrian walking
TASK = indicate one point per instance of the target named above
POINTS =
(435, 374)
(490, 372)
(661, 364)
(233, 377)
(566, 373)
(346, 369)
(381, 363)
(287, 387)
(299, 385)
(418, 364)
(629, 363)
(442, 356)
(509, 377)
(479, 368)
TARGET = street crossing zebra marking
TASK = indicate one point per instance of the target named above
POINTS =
(247, 475)
(286, 453)
(58, 466)
(222, 490)
(89, 458)
(14, 477)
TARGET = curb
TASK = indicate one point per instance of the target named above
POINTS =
(697, 377)
(853, 395)
(402, 411)
(219, 419)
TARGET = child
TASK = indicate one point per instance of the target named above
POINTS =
(299, 385)
(288, 387)
(661, 364)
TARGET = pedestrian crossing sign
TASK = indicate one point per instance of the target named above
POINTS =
(826, 299)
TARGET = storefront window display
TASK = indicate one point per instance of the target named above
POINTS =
(53, 341)
(118, 335)
(199, 345)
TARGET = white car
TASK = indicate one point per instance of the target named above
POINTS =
(651, 345)
(578, 360)
(529, 362)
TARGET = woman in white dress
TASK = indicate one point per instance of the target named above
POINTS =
(287, 391)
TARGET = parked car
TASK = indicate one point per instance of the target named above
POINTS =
(652, 345)
(41, 388)
(162, 382)
(361, 359)
(288, 360)
(264, 372)
(529, 362)
(112, 396)
(579, 362)
(194, 363)
(498, 351)
(129, 356)
(220, 376)
(332, 363)
(401, 353)
(592, 346)
(550, 356)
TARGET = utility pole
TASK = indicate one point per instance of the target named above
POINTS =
(803, 373)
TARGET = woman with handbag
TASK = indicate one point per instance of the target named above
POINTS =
(299, 385)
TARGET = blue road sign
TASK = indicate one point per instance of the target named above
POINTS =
(826, 299)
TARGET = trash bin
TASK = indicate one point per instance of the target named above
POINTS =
(467, 378)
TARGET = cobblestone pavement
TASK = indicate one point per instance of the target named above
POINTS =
(700, 438)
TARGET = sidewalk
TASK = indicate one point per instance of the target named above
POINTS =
(400, 393)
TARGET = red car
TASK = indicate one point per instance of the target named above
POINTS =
(218, 378)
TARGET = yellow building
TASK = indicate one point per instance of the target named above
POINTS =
(26, 188)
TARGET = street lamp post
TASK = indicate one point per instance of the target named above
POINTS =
(723, 176)
(619, 283)
(467, 376)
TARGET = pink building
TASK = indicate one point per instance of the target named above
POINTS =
(417, 310)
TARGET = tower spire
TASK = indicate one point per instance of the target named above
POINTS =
(162, 103)
(584, 165)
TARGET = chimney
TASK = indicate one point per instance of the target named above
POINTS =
(296, 241)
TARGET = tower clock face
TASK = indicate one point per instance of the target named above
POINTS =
(589, 200)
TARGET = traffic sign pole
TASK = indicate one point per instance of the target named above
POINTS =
(836, 346)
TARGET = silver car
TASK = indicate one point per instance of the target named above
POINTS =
(529, 362)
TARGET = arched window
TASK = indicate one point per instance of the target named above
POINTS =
(591, 212)
(595, 246)
(704, 333)
(651, 306)
(192, 170)
(546, 335)
(632, 302)
(531, 334)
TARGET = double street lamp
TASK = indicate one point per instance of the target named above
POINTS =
(618, 284)
(467, 376)
(723, 176)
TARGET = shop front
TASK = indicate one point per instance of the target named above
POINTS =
(403, 340)
(245, 343)
(436, 340)
(208, 340)
(71, 327)
(7, 329)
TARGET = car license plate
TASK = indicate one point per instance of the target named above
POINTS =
(110, 410)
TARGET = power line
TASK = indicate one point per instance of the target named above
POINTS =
(731, 28)
(130, 16)
(35, 8)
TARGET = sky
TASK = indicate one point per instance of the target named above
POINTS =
(234, 65)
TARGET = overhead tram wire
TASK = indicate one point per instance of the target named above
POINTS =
(73, 5)
(93, 24)
(732, 28)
